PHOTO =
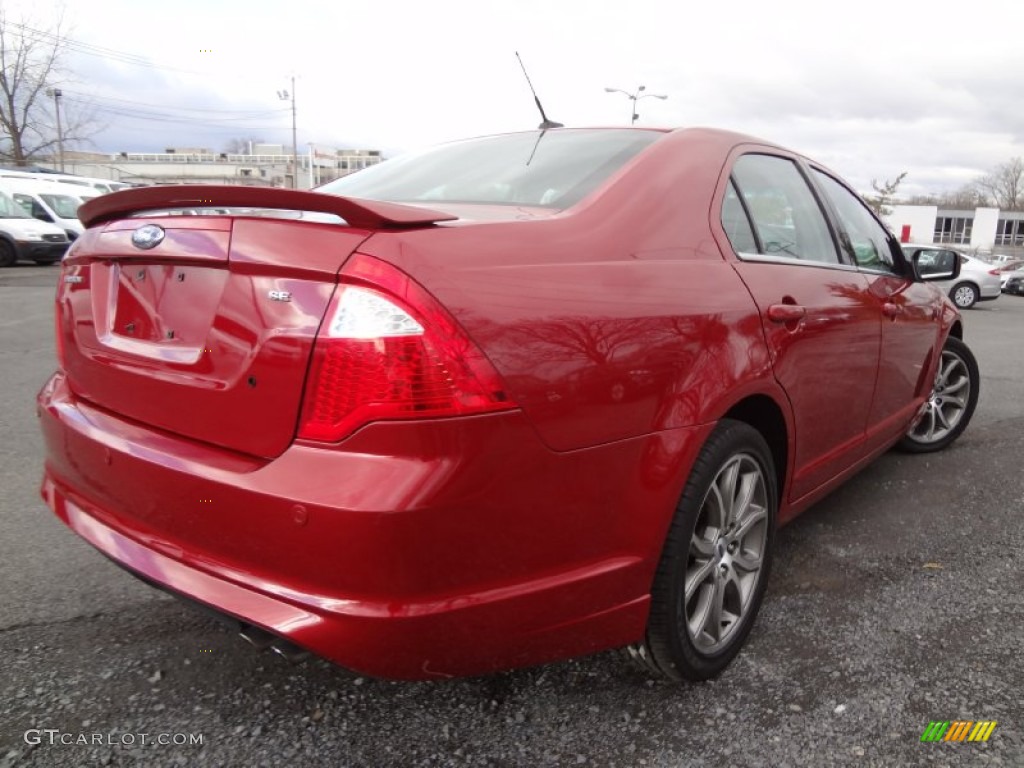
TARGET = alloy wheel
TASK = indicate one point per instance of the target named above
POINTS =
(947, 403)
(726, 553)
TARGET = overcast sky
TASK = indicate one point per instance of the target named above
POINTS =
(870, 88)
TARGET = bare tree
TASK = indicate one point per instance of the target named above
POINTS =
(884, 195)
(240, 146)
(1005, 184)
(965, 198)
(30, 65)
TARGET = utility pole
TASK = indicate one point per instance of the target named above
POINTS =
(284, 96)
(56, 94)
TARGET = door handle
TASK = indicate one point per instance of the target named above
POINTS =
(891, 310)
(786, 313)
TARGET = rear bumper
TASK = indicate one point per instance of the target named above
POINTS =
(412, 551)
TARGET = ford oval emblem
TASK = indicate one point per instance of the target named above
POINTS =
(148, 236)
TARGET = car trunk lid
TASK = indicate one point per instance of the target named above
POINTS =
(208, 331)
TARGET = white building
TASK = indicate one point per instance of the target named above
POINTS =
(268, 165)
(983, 229)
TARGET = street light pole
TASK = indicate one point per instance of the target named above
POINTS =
(635, 97)
(56, 94)
(312, 179)
(284, 96)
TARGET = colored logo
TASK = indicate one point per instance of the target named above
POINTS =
(958, 730)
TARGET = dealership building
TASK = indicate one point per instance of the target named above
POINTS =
(985, 230)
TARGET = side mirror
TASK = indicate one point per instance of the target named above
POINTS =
(931, 265)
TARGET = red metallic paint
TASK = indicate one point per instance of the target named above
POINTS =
(623, 328)
(358, 213)
(233, 372)
(433, 523)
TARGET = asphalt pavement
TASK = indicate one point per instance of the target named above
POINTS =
(895, 602)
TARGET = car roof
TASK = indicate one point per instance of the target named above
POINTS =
(34, 186)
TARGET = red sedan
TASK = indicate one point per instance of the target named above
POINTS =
(503, 402)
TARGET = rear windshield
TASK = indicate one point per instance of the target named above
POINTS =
(553, 169)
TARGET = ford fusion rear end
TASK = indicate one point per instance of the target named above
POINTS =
(562, 411)
(253, 414)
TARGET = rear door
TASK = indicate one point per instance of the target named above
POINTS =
(821, 325)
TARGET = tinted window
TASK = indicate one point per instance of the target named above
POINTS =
(867, 240)
(786, 215)
(554, 168)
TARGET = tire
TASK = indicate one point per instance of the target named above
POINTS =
(8, 256)
(950, 405)
(720, 564)
(964, 295)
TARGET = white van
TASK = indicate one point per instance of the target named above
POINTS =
(24, 238)
(52, 202)
(98, 186)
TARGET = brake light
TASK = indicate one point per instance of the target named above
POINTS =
(994, 272)
(388, 350)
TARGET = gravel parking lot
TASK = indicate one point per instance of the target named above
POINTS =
(895, 602)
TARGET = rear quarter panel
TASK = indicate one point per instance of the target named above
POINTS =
(616, 319)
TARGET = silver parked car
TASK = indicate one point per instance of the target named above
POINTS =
(978, 280)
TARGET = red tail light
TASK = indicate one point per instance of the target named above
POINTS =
(994, 272)
(388, 350)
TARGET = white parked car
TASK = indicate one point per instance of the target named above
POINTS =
(978, 280)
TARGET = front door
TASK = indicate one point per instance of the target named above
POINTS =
(820, 322)
(908, 310)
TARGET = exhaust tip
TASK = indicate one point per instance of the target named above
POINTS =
(262, 640)
(258, 638)
(288, 651)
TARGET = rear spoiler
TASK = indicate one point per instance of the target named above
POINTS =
(364, 214)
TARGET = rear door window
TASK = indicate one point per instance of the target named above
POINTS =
(787, 220)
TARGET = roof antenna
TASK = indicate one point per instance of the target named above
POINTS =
(545, 124)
